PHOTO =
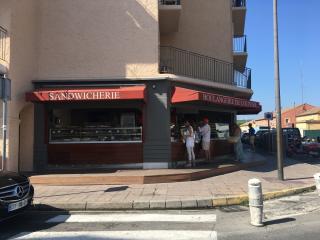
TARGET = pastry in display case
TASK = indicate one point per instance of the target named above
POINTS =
(95, 134)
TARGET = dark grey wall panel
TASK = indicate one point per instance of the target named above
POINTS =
(157, 144)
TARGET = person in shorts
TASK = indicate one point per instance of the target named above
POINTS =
(252, 137)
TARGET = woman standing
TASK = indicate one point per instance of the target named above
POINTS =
(189, 138)
(236, 139)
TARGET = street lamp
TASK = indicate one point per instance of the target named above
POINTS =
(5, 96)
(277, 92)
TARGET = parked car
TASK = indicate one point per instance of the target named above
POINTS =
(293, 136)
(259, 136)
(245, 138)
(16, 194)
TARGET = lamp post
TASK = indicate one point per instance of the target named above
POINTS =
(277, 91)
(5, 96)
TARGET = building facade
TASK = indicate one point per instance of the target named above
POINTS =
(109, 83)
(309, 123)
(290, 117)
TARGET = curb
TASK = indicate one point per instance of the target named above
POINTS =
(205, 203)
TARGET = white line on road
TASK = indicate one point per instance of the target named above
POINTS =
(132, 235)
(79, 218)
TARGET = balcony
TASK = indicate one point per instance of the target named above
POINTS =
(169, 15)
(239, 16)
(3, 50)
(240, 54)
(189, 64)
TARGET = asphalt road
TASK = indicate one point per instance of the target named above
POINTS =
(226, 223)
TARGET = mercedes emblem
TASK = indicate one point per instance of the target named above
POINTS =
(19, 191)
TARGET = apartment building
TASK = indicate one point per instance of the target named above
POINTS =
(308, 122)
(109, 84)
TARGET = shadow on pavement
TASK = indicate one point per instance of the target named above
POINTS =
(233, 208)
(271, 163)
(28, 221)
(279, 221)
(302, 178)
(116, 189)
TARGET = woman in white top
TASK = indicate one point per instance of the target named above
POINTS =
(189, 138)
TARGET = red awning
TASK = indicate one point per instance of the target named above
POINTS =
(98, 94)
(242, 106)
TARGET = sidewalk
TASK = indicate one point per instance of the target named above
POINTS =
(227, 189)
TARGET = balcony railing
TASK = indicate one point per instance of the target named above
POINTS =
(194, 65)
(240, 44)
(3, 40)
(169, 2)
(239, 3)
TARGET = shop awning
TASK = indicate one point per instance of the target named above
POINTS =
(97, 94)
(242, 106)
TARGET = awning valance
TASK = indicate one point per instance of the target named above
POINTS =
(242, 106)
(97, 94)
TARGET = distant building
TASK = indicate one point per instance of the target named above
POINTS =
(288, 118)
(288, 115)
(309, 122)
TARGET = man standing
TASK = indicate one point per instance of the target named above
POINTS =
(252, 136)
(205, 132)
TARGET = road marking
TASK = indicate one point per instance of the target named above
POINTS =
(81, 218)
(132, 235)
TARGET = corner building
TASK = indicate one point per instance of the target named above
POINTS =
(108, 84)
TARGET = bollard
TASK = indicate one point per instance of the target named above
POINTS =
(255, 202)
(317, 179)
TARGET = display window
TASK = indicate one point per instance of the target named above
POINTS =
(95, 125)
(218, 121)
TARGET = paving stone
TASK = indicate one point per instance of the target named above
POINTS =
(161, 204)
(189, 203)
(108, 205)
(62, 206)
(141, 205)
(204, 203)
(175, 204)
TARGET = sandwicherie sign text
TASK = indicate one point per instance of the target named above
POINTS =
(103, 94)
(90, 95)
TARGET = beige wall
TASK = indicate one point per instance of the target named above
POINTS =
(72, 39)
(302, 123)
(5, 12)
(309, 117)
(26, 137)
(205, 27)
(20, 19)
(98, 39)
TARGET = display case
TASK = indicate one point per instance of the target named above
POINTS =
(218, 131)
(95, 135)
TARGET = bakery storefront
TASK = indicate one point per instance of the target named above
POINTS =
(127, 125)
(195, 105)
(90, 127)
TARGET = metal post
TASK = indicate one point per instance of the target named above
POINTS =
(4, 133)
(255, 202)
(317, 180)
(277, 91)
